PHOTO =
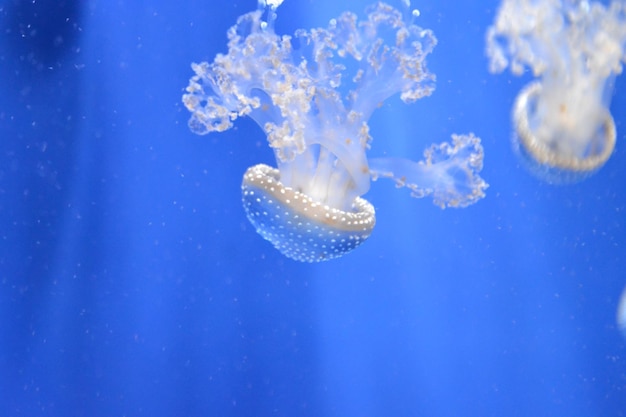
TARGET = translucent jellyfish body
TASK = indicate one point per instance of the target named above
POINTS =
(621, 313)
(564, 128)
(312, 94)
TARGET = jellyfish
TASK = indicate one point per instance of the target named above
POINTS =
(312, 95)
(621, 313)
(575, 48)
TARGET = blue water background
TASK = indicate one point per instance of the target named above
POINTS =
(131, 283)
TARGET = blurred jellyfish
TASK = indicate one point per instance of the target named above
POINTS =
(621, 313)
(575, 47)
(314, 112)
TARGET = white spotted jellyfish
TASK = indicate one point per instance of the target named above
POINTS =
(564, 130)
(315, 115)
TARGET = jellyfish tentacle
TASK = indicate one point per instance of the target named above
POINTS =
(448, 173)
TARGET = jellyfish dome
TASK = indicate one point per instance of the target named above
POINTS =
(299, 226)
(314, 112)
(575, 48)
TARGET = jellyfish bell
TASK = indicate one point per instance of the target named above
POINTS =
(298, 226)
(551, 154)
